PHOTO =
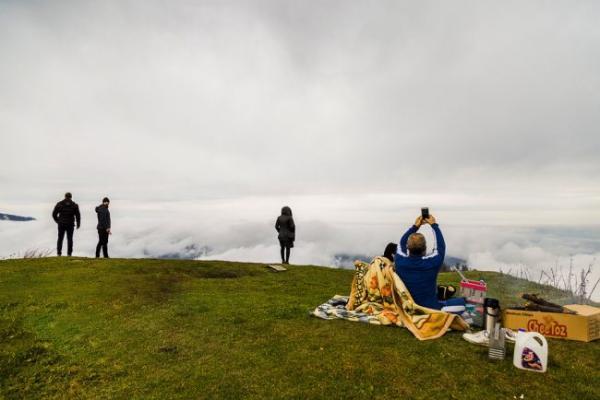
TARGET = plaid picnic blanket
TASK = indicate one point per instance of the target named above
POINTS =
(335, 308)
(378, 296)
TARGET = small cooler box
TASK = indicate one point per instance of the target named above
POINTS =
(474, 292)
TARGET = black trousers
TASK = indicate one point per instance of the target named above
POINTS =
(62, 229)
(102, 243)
(285, 257)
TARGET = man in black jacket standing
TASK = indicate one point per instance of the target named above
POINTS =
(65, 214)
(103, 227)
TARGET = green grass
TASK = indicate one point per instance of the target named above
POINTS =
(83, 328)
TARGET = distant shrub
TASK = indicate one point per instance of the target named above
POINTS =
(577, 284)
(37, 253)
(30, 253)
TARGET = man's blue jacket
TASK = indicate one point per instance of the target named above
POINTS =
(419, 274)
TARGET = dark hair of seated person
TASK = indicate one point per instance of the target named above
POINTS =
(390, 250)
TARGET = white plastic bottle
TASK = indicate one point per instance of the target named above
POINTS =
(531, 351)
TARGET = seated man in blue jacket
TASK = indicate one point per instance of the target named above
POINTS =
(419, 271)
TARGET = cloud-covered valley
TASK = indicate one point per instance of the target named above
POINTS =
(243, 230)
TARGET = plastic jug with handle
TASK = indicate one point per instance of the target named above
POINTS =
(531, 352)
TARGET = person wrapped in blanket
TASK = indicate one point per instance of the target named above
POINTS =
(379, 296)
(419, 270)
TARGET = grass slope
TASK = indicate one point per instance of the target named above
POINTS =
(184, 329)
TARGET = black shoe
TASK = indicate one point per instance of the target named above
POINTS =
(445, 292)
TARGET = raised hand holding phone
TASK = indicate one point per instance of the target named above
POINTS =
(419, 221)
(430, 220)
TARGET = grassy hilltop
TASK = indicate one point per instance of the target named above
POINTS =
(85, 328)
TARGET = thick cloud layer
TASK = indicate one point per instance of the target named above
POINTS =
(226, 230)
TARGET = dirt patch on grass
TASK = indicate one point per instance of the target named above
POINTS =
(172, 349)
(156, 285)
(219, 274)
(201, 270)
(215, 271)
(155, 288)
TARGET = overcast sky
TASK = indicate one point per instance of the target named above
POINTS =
(352, 112)
(193, 99)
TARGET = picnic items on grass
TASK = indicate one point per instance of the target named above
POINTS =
(536, 303)
(582, 323)
(474, 293)
(482, 338)
(531, 352)
(445, 292)
(497, 343)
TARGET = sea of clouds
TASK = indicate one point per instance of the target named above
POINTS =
(243, 230)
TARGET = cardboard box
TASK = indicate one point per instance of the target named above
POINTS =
(583, 326)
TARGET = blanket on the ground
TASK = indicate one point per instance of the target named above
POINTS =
(378, 296)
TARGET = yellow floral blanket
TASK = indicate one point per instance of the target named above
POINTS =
(380, 293)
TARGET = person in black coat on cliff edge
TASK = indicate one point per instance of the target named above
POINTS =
(65, 213)
(287, 233)
(103, 227)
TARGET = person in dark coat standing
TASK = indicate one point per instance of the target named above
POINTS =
(103, 227)
(287, 233)
(65, 214)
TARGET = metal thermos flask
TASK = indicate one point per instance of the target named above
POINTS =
(491, 314)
